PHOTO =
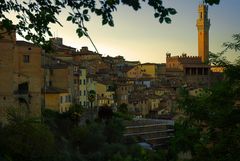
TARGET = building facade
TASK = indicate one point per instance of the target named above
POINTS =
(146, 70)
(20, 71)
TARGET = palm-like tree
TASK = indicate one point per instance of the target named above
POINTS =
(91, 99)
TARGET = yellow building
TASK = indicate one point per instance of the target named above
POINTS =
(104, 96)
(217, 69)
(57, 99)
(20, 71)
(71, 77)
(147, 70)
(85, 84)
(59, 83)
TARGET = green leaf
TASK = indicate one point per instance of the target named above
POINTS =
(49, 33)
(86, 18)
(161, 19)
(172, 11)
(85, 11)
(69, 18)
(111, 23)
(98, 12)
(156, 15)
(18, 16)
(211, 2)
(27, 37)
(73, 20)
(167, 20)
(30, 26)
(79, 32)
(104, 21)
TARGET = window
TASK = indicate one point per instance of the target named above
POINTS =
(80, 81)
(51, 71)
(80, 93)
(68, 98)
(61, 99)
(50, 83)
(205, 71)
(187, 71)
(201, 15)
(26, 58)
(194, 71)
(84, 93)
(200, 71)
(84, 81)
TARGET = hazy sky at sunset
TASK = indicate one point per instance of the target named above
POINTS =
(139, 36)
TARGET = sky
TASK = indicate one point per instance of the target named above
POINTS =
(137, 35)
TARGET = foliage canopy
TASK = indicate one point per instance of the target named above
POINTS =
(35, 16)
(210, 127)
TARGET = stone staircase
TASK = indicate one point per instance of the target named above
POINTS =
(153, 131)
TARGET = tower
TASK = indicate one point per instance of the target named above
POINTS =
(203, 25)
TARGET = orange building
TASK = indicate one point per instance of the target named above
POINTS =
(187, 70)
(20, 73)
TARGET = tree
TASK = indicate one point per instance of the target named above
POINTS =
(89, 138)
(35, 16)
(114, 130)
(105, 113)
(27, 141)
(123, 108)
(91, 99)
(210, 129)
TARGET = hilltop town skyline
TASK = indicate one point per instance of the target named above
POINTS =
(149, 41)
(157, 98)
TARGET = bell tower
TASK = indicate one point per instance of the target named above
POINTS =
(203, 25)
